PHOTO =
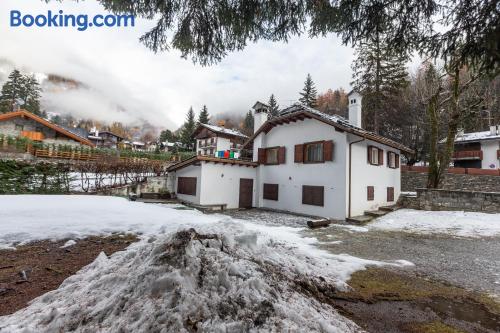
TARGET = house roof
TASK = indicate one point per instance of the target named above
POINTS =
(474, 137)
(215, 160)
(111, 133)
(300, 112)
(26, 114)
(220, 130)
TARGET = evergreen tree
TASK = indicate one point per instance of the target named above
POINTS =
(22, 90)
(309, 93)
(274, 110)
(203, 117)
(12, 91)
(380, 75)
(167, 135)
(248, 123)
(31, 95)
(188, 129)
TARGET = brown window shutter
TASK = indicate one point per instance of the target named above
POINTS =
(299, 154)
(397, 161)
(390, 194)
(262, 155)
(313, 195)
(370, 193)
(389, 159)
(328, 150)
(271, 192)
(281, 155)
(380, 157)
(369, 154)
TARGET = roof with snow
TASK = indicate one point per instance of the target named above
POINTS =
(299, 111)
(475, 136)
(219, 130)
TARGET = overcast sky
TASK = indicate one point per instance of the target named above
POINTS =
(121, 73)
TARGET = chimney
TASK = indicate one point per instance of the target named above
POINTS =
(493, 130)
(354, 99)
(260, 115)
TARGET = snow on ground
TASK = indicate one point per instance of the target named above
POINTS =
(244, 279)
(461, 224)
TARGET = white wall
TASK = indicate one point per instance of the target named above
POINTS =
(490, 154)
(223, 144)
(221, 183)
(365, 174)
(190, 171)
(291, 176)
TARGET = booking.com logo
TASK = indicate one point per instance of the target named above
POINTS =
(81, 21)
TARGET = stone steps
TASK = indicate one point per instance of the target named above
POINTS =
(360, 220)
(375, 213)
(371, 214)
(389, 208)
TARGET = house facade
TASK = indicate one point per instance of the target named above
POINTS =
(104, 139)
(478, 149)
(25, 124)
(218, 141)
(304, 162)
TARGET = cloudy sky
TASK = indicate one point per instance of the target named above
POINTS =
(120, 73)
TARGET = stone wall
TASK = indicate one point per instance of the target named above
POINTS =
(411, 180)
(438, 199)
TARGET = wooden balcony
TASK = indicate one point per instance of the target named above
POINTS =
(468, 155)
(32, 135)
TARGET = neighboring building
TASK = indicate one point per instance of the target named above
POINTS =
(304, 161)
(478, 149)
(134, 145)
(25, 124)
(104, 139)
(218, 141)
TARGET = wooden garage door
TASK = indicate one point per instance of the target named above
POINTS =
(186, 185)
(246, 193)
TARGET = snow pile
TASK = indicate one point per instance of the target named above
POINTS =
(26, 218)
(235, 281)
(462, 224)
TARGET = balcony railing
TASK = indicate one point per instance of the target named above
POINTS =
(468, 155)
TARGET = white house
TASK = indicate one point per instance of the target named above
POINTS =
(304, 161)
(478, 149)
(218, 141)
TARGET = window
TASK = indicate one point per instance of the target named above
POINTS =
(272, 155)
(186, 185)
(375, 156)
(200, 143)
(370, 193)
(313, 152)
(211, 151)
(392, 160)
(390, 194)
(313, 195)
(19, 127)
(271, 192)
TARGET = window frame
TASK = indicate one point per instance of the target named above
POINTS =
(183, 187)
(19, 127)
(304, 154)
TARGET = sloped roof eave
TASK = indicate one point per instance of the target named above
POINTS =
(46, 123)
(361, 133)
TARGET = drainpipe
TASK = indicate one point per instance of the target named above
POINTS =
(350, 162)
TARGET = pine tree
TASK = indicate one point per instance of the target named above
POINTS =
(248, 123)
(203, 117)
(309, 93)
(23, 90)
(188, 129)
(32, 94)
(380, 75)
(274, 110)
(12, 91)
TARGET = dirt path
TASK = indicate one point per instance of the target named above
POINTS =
(39, 267)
